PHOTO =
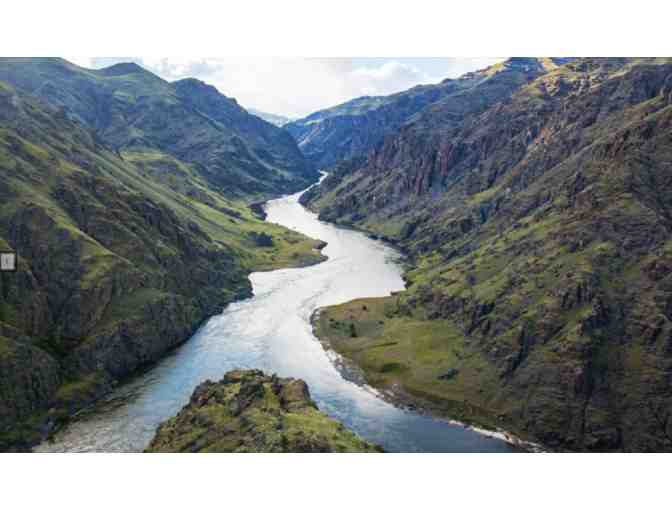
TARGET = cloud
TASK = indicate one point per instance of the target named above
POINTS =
(296, 87)
(88, 62)
(388, 78)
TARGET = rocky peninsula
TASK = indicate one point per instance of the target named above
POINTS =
(249, 411)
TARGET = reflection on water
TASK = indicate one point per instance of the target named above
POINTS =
(271, 331)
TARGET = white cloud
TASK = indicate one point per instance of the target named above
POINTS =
(88, 62)
(296, 87)
(388, 78)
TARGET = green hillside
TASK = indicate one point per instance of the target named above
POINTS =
(131, 109)
(122, 254)
(540, 250)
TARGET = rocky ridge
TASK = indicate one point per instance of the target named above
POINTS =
(248, 411)
(539, 237)
(121, 255)
(352, 129)
(132, 110)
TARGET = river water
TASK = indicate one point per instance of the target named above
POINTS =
(272, 331)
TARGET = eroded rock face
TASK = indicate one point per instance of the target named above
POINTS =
(540, 227)
(116, 190)
(248, 411)
(109, 277)
(29, 378)
(354, 128)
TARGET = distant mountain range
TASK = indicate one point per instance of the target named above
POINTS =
(534, 200)
(355, 127)
(130, 108)
(277, 120)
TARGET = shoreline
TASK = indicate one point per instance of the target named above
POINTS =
(48, 428)
(347, 369)
(352, 372)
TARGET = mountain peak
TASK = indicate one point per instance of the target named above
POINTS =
(188, 86)
(522, 61)
(536, 63)
(195, 84)
(123, 68)
(522, 64)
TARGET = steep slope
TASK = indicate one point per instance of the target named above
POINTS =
(118, 261)
(248, 411)
(276, 120)
(540, 241)
(353, 128)
(132, 109)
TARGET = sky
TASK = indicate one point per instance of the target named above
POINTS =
(296, 87)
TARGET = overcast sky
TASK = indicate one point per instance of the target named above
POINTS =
(295, 87)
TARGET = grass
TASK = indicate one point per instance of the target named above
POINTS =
(408, 355)
(81, 389)
(225, 220)
(547, 270)
(96, 211)
(8, 314)
(5, 346)
(270, 418)
(131, 305)
(166, 180)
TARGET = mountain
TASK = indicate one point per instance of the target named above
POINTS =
(357, 126)
(248, 411)
(538, 226)
(276, 120)
(131, 109)
(122, 252)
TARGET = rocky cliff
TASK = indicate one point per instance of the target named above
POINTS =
(539, 234)
(248, 411)
(353, 128)
(121, 255)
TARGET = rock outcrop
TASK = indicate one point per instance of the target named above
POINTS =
(248, 411)
(121, 256)
(539, 230)
(352, 129)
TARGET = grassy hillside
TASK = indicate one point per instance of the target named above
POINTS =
(122, 254)
(540, 239)
(129, 108)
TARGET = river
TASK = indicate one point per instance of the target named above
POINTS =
(272, 331)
